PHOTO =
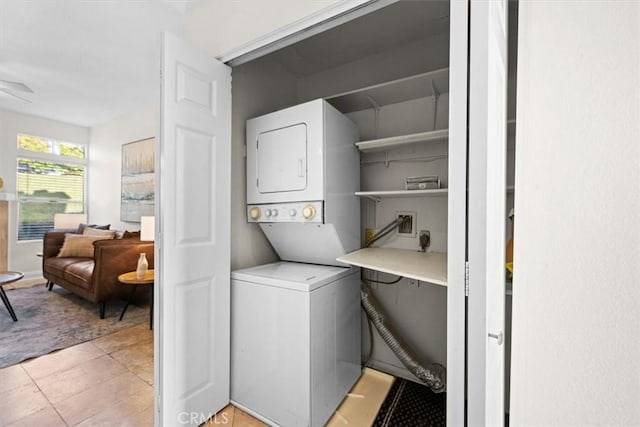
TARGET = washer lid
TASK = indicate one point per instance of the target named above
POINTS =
(292, 275)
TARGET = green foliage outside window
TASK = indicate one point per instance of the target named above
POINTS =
(48, 187)
(42, 145)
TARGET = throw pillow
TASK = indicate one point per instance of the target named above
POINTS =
(77, 245)
(81, 227)
(107, 234)
(131, 235)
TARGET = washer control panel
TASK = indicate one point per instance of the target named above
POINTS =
(286, 212)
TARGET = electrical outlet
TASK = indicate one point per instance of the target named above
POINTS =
(425, 240)
(408, 227)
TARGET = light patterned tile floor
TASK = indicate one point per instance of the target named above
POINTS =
(104, 382)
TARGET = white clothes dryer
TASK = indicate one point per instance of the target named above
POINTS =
(302, 174)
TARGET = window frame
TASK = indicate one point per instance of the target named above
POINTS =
(22, 153)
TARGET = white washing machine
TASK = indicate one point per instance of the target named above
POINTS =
(295, 341)
(295, 325)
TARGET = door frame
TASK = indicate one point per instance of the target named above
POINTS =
(457, 212)
(316, 23)
(340, 13)
(488, 75)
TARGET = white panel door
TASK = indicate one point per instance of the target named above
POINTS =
(192, 243)
(486, 217)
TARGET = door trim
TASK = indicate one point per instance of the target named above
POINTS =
(316, 23)
(457, 208)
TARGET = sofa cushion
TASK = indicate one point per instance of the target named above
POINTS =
(81, 227)
(57, 266)
(131, 235)
(79, 273)
(76, 245)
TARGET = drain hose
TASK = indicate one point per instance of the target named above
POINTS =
(433, 377)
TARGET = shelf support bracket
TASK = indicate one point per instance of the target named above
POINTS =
(376, 112)
(373, 103)
(386, 159)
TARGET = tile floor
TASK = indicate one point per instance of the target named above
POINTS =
(107, 381)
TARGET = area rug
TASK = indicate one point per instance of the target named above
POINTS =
(52, 320)
(409, 404)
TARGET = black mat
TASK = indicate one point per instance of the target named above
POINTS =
(411, 405)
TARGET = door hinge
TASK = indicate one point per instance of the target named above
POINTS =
(466, 278)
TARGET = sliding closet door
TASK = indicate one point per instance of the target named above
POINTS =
(457, 212)
(192, 261)
(486, 220)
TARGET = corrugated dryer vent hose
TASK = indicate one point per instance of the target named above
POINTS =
(434, 376)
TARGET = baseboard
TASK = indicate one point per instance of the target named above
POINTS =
(32, 275)
(27, 282)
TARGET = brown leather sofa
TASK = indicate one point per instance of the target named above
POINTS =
(94, 279)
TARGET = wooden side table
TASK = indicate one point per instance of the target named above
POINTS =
(131, 278)
(7, 277)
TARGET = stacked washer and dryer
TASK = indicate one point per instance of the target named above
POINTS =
(295, 324)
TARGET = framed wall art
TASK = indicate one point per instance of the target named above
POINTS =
(138, 180)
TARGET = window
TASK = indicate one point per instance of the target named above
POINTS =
(51, 179)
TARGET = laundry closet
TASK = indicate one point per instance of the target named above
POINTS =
(396, 92)
(388, 71)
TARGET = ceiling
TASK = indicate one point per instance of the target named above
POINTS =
(87, 61)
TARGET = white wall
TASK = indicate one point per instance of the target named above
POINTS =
(22, 256)
(219, 26)
(576, 301)
(105, 163)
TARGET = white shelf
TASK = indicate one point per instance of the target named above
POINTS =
(396, 141)
(377, 195)
(405, 89)
(424, 266)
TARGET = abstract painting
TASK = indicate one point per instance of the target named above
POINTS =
(138, 180)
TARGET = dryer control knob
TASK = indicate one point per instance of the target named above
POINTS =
(254, 213)
(274, 212)
(308, 211)
(292, 212)
(267, 213)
